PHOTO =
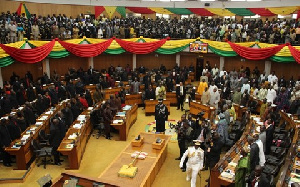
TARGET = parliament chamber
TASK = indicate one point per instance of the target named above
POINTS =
(84, 86)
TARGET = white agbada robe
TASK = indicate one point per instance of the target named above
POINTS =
(261, 155)
(271, 95)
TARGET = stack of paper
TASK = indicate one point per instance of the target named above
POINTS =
(77, 126)
(69, 146)
(121, 114)
(127, 107)
(117, 121)
(90, 108)
(49, 112)
(72, 136)
(43, 118)
(38, 123)
(25, 137)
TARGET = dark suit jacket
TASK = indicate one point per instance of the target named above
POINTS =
(55, 136)
(254, 156)
(263, 180)
(29, 116)
(178, 91)
(5, 139)
(150, 94)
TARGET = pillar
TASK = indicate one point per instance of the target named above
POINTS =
(268, 66)
(46, 66)
(1, 78)
(178, 59)
(222, 61)
(133, 61)
(91, 62)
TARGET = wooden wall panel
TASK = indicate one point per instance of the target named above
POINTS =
(62, 65)
(152, 60)
(103, 61)
(286, 70)
(44, 9)
(188, 59)
(235, 62)
(21, 69)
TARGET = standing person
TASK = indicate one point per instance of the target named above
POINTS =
(254, 153)
(205, 98)
(242, 170)
(55, 139)
(108, 117)
(214, 98)
(269, 135)
(180, 94)
(201, 87)
(258, 178)
(262, 158)
(5, 141)
(214, 151)
(161, 115)
(237, 97)
(135, 86)
(195, 162)
(262, 137)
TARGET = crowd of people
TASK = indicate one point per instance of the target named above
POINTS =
(45, 27)
(218, 88)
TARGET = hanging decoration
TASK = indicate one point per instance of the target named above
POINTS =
(110, 10)
(295, 53)
(254, 53)
(141, 48)
(98, 11)
(201, 11)
(22, 9)
(29, 55)
(86, 50)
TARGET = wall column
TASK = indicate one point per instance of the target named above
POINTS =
(222, 61)
(46, 66)
(133, 61)
(178, 59)
(268, 66)
(91, 62)
(1, 78)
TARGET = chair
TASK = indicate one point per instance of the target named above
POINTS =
(40, 152)
(44, 138)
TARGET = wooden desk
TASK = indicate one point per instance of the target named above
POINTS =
(150, 106)
(131, 116)
(112, 91)
(24, 154)
(147, 169)
(239, 110)
(196, 107)
(82, 180)
(131, 99)
(172, 97)
(197, 97)
(75, 154)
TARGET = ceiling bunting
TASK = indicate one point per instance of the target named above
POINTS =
(98, 11)
(283, 10)
(241, 11)
(141, 10)
(110, 10)
(180, 11)
(220, 11)
(161, 10)
(121, 10)
(34, 55)
(141, 48)
(255, 53)
(295, 53)
(86, 50)
(261, 11)
(201, 11)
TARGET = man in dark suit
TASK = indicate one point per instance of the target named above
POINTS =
(258, 178)
(55, 139)
(68, 115)
(269, 135)
(180, 94)
(161, 116)
(150, 93)
(13, 128)
(28, 114)
(254, 153)
(53, 95)
(108, 117)
(5, 141)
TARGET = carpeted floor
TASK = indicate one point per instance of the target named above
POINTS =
(101, 152)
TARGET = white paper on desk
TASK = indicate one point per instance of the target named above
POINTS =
(81, 117)
(33, 128)
(13, 113)
(38, 123)
(6, 117)
(90, 108)
(151, 99)
(211, 107)
(49, 112)
(77, 126)
(127, 94)
(21, 108)
(116, 121)
(72, 137)
(258, 129)
(260, 123)
(256, 119)
(233, 164)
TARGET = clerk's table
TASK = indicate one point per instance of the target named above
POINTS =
(196, 107)
(150, 105)
(147, 168)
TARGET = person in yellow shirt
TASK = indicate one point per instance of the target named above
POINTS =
(132, 33)
(201, 87)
